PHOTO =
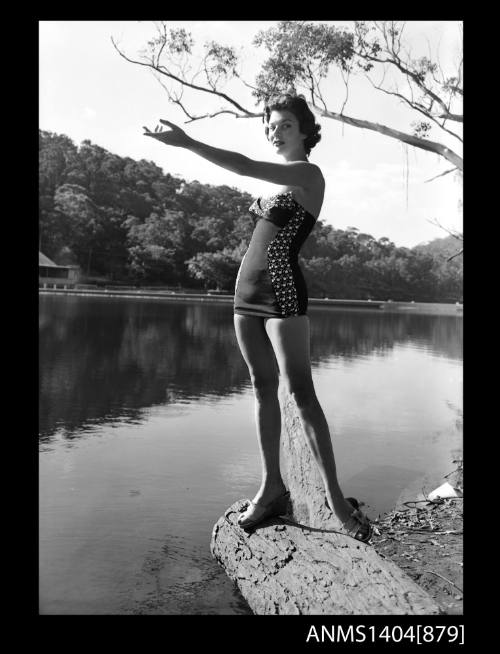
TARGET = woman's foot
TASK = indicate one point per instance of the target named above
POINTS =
(354, 522)
(269, 501)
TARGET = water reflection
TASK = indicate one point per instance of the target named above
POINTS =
(351, 334)
(104, 360)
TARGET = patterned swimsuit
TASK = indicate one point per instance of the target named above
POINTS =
(270, 282)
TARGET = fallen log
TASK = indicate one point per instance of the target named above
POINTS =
(301, 564)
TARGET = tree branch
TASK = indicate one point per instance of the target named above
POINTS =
(456, 235)
(221, 111)
(415, 141)
(318, 92)
(395, 60)
(417, 106)
(440, 175)
(163, 71)
(345, 80)
(458, 118)
(455, 255)
(164, 43)
(254, 88)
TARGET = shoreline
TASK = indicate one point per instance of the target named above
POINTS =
(375, 305)
(426, 541)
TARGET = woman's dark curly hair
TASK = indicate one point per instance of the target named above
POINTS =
(298, 106)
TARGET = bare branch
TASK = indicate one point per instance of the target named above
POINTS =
(254, 88)
(196, 87)
(223, 111)
(456, 235)
(458, 118)
(311, 79)
(345, 80)
(207, 76)
(459, 91)
(403, 25)
(418, 107)
(461, 251)
(164, 43)
(439, 60)
(169, 92)
(440, 175)
(427, 110)
(321, 98)
(178, 101)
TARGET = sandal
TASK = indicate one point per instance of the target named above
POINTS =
(361, 529)
(278, 506)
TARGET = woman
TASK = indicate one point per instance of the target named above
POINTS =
(270, 301)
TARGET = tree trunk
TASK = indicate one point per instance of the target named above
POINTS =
(299, 564)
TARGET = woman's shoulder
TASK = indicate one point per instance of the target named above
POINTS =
(317, 181)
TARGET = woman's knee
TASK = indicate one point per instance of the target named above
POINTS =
(265, 386)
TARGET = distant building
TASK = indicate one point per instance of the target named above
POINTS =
(50, 274)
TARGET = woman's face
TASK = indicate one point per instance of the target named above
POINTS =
(284, 132)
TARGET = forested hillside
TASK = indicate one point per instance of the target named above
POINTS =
(130, 222)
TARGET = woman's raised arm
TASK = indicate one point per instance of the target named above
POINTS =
(294, 173)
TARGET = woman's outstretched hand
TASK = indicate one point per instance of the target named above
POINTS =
(176, 136)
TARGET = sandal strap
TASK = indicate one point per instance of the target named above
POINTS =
(357, 531)
(265, 507)
(273, 501)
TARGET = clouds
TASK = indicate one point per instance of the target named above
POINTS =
(375, 200)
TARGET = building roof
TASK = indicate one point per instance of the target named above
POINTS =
(45, 261)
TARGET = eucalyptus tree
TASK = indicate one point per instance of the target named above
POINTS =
(300, 56)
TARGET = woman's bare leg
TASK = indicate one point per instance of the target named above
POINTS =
(290, 342)
(258, 353)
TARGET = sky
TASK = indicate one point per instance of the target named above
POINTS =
(374, 183)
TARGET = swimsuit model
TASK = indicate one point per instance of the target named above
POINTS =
(269, 282)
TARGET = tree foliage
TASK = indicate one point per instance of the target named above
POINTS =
(300, 55)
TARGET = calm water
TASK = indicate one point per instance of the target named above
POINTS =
(147, 436)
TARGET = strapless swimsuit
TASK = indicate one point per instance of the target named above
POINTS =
(270, 282)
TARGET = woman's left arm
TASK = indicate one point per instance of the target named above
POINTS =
(295, 173)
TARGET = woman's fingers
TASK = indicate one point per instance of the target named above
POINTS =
(166, 122)
(158, 128)
(148, 132)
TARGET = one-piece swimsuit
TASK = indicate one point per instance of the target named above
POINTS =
(270, 282)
